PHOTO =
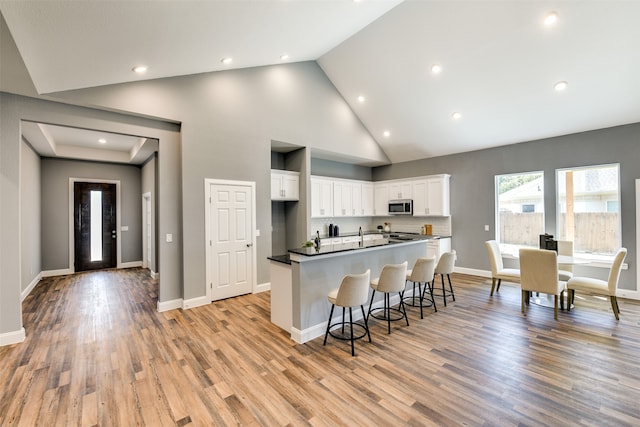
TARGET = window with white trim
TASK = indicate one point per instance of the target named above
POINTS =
(589, 209)
(519, 210)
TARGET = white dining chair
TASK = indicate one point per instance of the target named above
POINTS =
(498, 272)
(598, 286)
(539, 273)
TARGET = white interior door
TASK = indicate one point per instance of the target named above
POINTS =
(231, 254)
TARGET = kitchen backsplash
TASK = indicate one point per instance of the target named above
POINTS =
(406, 224)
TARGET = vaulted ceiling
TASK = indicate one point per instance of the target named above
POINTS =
(499, 61)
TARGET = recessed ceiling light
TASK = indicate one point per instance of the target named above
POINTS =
(284, 56)
(102, 141)
(436, 69)
(226, 60)
(456, 115)
(560, 86)
(140, 69)
(361, 98)
(550, 19)
(386, 134)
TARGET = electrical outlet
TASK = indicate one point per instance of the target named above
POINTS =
(486, 227)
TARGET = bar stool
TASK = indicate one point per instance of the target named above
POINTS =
(445, 266)
(422, 272)
(353, 292)
(392, 279)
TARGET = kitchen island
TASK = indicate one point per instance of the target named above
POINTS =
(300, 304)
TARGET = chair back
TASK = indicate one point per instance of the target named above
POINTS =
(539, 271)
(565, 247)
(354, 290)
(423, 270)
(494, 256)
(614, 273)
(393, 277)
(446, 263)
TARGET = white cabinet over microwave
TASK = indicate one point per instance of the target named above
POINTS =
(285, 185)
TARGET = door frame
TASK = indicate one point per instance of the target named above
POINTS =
(148, 251)
(208, 232)
(72, 181)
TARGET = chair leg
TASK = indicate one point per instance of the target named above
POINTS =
(387, 310)
(555, 307)
(433, 300)
(444, 295)
(370, 304)
(421, 295)
(404, 309)
(562, 300)
(366, 325)
(453, 296)
(614, 306)
(570, 293)
(343, 320)
(353, 350)
(493, 285)
(328, 324)
(499, 283)
(524, 295)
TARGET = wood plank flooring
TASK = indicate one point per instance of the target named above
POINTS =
(98, 353)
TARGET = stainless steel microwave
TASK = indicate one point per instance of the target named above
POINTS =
(401, 207)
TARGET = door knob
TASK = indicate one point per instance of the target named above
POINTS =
(249, 245)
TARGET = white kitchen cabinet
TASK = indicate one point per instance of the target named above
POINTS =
(285, 185)
(431, 196)
(342, 198)
(368, 205)
(321, 197)
(401, 190)
(381, 199)
(436, 247)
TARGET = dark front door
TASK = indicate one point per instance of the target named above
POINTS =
(95, 225)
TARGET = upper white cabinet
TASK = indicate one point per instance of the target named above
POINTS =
(381, 198)
(431, 196)
(401, 190)
(342, 198)
(321, 197)
(368, 205)
(285, 185)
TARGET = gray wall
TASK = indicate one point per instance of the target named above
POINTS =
(30, 209)
(55, 200)
(149, 186)
(472, 185)
(228, 122)
(334, 169)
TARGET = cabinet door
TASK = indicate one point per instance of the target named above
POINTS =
(381, 199)
(321, 198)
(420, 197)
(290, 187)
(401, 190)
(368, 207)
(356, 199)
(438, 196)
(276, 186)
(342, 198)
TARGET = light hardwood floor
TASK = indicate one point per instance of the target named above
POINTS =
(98, 353)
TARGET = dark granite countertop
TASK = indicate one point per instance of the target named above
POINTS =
(285, 259)
(330, 249)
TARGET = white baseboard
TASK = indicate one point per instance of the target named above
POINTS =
(473, 272)
(14, 337)
(169, 305)
(131, 264)
(53, 273)
(31, 287)
(262, 287)
(195, 302)
(154, 275)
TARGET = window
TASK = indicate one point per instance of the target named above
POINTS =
(519, 210)
(589, 208)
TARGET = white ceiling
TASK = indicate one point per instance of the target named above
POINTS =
(499, 61)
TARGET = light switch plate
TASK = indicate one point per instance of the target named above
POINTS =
(486, 227)
(124, 228)
(169, 237)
